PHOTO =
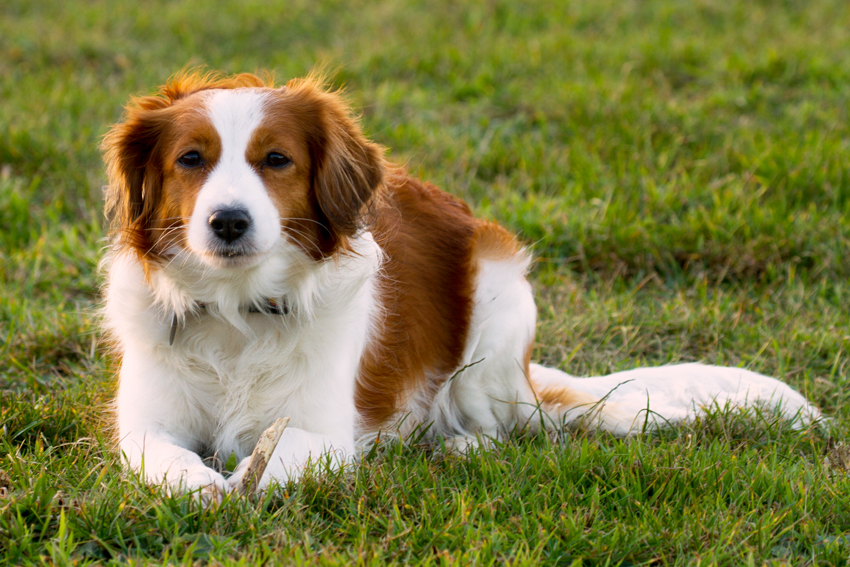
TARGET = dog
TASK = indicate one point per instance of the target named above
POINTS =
(266, 260)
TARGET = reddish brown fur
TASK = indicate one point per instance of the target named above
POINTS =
(426, 291)
(432, 244)
(345, 168)
(492, 242)
(563, 397)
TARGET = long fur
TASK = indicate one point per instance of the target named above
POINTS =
(401, 309)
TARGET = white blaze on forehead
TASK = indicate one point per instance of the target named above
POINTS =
(235, 114)
(233, 182)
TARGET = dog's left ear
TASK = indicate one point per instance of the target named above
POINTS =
(346, 167)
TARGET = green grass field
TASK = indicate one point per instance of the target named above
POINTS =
(680, 168)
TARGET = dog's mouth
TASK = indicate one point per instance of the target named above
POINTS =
(233, 256)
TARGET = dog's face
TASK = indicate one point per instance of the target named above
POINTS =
(226, 169)
(238, 171)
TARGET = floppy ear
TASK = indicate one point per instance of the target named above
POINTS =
(346, 167)
(135, 174)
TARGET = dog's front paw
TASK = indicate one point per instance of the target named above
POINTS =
(207, 485)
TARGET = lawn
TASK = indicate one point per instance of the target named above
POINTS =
(681, 170)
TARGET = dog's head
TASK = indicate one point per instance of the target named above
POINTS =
(226, 168)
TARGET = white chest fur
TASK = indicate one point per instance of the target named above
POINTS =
(230, 373)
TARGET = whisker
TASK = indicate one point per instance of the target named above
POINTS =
(305, 235)
(302, 219)
(167, 233)
(175, 218)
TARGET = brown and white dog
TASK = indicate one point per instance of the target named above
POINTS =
(266, 261)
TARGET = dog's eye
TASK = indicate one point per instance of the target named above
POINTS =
(275, 159)
(191, 159)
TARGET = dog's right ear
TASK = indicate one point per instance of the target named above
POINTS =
(130, 150)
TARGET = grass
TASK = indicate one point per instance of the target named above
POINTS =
(681, 169)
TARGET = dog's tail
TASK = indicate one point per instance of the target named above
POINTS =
(646, 398)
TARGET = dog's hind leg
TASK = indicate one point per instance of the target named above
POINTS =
(497, 388)
(490, 392)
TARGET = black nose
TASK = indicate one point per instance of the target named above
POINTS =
(230, 224)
